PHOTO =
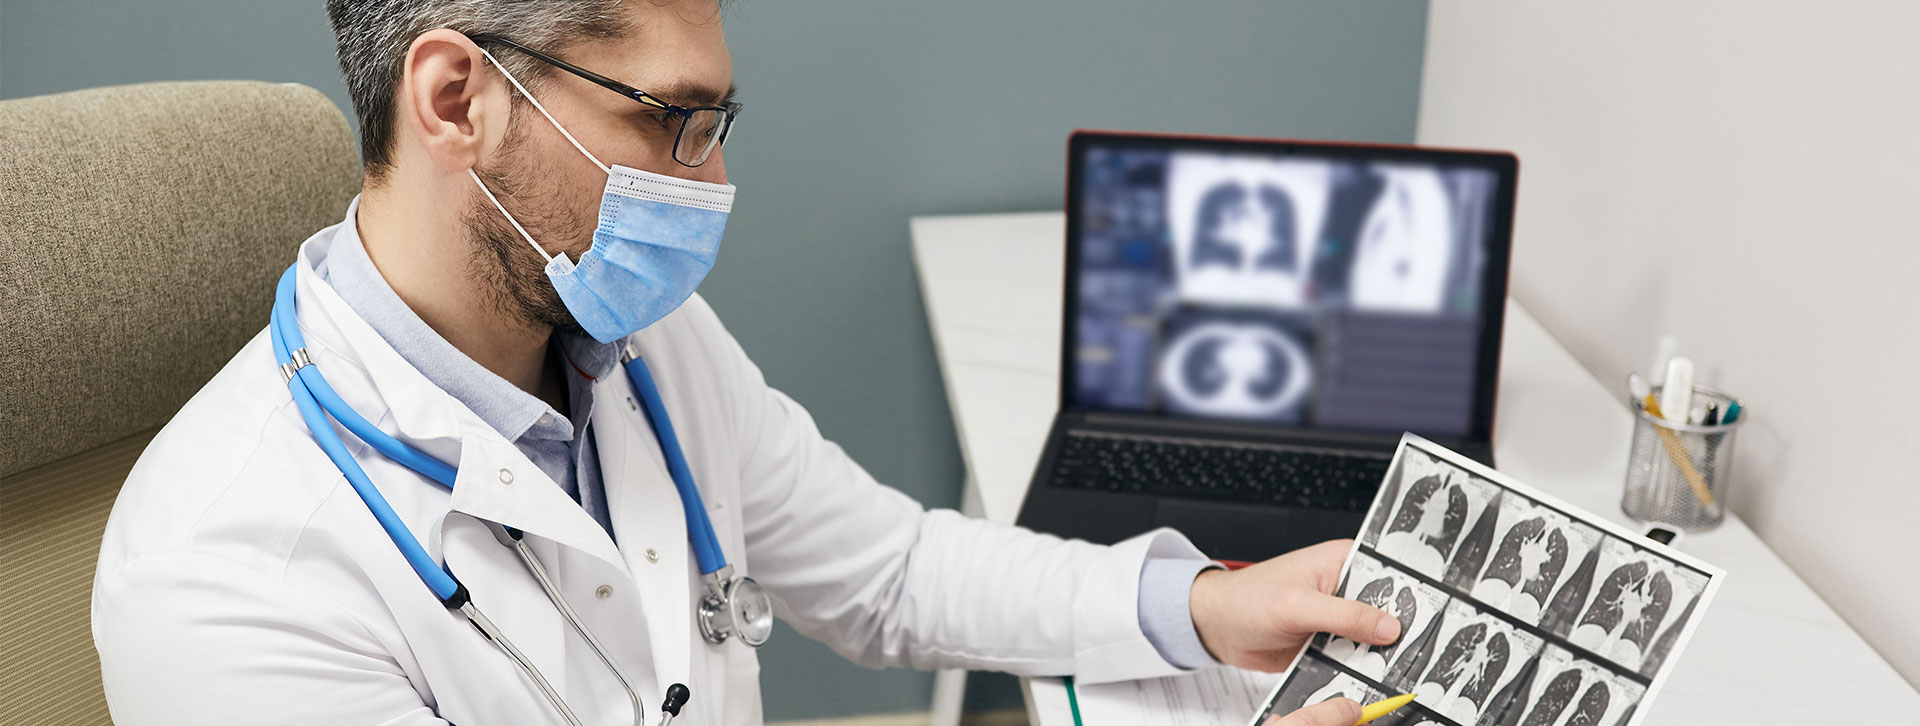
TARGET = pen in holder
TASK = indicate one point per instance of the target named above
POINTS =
(1677, 473)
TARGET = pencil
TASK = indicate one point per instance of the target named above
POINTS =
(1678, 453)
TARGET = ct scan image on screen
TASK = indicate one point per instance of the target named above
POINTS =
(1290, 289)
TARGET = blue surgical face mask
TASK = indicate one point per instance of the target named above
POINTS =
(657, 239)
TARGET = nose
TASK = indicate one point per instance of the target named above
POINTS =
(715, 170)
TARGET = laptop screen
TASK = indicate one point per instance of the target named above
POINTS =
(1328, 287)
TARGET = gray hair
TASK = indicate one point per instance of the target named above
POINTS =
(373, 37)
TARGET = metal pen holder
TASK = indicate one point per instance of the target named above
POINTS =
(1678, 474)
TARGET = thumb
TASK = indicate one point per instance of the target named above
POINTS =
(1355, 621)
(1331, 712)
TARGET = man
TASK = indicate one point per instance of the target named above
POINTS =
(544, 188)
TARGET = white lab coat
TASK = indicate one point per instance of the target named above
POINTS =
(242, 581)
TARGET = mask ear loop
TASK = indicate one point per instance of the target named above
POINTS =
(556, 124)
(543, 111)
(509, 216)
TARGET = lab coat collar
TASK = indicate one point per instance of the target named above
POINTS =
(494, 480)
(331, 327)
(497, 483)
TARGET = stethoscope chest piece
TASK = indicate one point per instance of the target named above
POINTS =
(735, 606)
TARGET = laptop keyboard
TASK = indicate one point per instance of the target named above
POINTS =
(1305, 478)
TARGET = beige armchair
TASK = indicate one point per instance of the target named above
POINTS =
(141, 231)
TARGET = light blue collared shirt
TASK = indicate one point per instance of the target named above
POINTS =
(566, 451)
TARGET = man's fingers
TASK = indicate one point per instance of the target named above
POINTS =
(1332, 712)
(1355, 621)
(1323, 562)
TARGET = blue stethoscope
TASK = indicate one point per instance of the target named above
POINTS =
(734, 604)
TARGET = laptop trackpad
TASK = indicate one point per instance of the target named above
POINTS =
(1251, 532)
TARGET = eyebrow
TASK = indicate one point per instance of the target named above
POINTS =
(692, 94)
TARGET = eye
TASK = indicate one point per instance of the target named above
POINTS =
(654, 120)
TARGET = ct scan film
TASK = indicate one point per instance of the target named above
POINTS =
(1515, 609)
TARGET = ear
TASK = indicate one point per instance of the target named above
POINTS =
(448, 104)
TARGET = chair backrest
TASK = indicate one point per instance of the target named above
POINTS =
(141, 231)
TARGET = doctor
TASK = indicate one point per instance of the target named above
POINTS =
(493, 462)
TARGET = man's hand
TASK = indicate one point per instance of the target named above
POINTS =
(1259, 617)
(1331, 712)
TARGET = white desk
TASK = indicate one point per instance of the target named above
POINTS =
(1770, 651)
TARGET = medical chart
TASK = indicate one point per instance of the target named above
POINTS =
(1515, 608)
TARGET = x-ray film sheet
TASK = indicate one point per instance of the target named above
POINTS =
(1515, 608)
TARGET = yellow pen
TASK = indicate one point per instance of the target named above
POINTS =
(1375, 710)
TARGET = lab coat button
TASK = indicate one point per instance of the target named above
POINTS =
(603, 592)
(506, 476)
(652, 556)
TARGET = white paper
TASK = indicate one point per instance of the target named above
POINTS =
(1515, 608)
(1203, 698)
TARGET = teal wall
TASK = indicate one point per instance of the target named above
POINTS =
(860, 114)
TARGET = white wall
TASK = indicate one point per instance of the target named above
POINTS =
(1745, 175)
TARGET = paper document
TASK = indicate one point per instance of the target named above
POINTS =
(1203, 698)
(1515, 608)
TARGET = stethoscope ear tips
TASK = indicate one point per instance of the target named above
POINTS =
(677, 695)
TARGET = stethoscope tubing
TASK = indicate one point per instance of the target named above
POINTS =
(319, 405)
(287, 338)
(317, 400)
(493, 633)
(706, 546)
(560, 603)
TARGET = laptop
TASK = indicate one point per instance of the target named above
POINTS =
(1251, 325)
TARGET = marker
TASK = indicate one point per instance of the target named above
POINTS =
(1676, 394)
(1733, 412)
(1713, 439)
(1375, 710)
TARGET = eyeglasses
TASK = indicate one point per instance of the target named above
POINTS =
(702, 128)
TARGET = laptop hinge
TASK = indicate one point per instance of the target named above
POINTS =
(1154, 425)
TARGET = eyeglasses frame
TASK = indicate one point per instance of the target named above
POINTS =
(684, 112)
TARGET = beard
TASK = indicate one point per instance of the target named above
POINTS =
(512, 274)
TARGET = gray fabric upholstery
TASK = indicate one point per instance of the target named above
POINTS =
(141, 231)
